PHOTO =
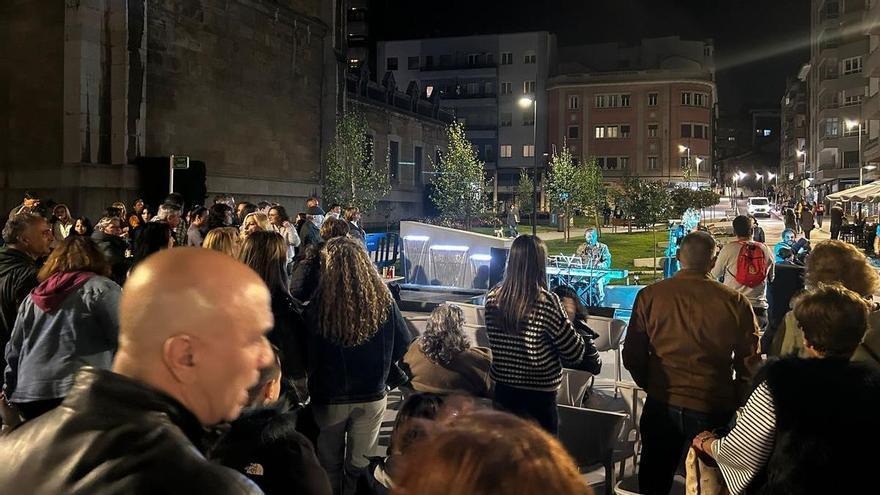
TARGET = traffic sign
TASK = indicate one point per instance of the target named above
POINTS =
(179, 162)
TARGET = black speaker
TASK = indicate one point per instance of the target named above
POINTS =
(601, 311)
(497, 264)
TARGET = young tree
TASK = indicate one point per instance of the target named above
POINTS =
(353, 178)
(647, 203)
(594, 193)
(565, 185)
(460, 183)
(525, 192)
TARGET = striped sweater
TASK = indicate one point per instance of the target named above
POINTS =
(532, 357)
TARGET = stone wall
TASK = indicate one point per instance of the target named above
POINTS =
(238, 84)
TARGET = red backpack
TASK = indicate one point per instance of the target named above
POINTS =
(751, 264)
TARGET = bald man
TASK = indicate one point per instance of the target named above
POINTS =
(191, 344)
(687, 336)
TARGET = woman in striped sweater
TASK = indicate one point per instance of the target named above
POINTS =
(530, 336)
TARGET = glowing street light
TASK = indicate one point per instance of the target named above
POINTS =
(526, 102)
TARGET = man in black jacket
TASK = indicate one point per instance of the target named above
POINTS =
(310, 232)
(138, 429)
(27, 237)
(836, 220)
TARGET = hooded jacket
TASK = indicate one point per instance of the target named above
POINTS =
(69, 321)
(263, 444)
(18, 275)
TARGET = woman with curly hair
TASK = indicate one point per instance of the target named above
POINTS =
(356, 335)
(839, 262)
(442, 360)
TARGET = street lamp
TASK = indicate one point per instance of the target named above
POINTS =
(685, 149)
(849, 125)
(526, 102)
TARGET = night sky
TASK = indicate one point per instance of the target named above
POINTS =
(758, 42)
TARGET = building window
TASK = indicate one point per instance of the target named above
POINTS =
(600, 101)
(611, 162)
(832, 126)
(429, 60)
(530, 58)
(682, 162)
(686, 130)
(624, 131)
(611, 131)
(412, 63)
(700, 99)
(506, 119)
(417, 162)
(506, 58)
(623, 162)
(394, 161)
(705, 132)
(698, 132)
(613, 101)
(652, 130)
(852, 100)
(506, 150)
(506, 88)
(528, 150)
(573, 132)
(473, 89)
(600, 132)
(473, 59)
(490, 153)
(528, 117)
(652, 99)
(391, 63)
(686, 99)
(574, 102)
(528, 87)
(490, 88)
(624, 101)
(852, 65)
(652, 163)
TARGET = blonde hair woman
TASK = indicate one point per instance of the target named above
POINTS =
(839, 262)
(357, 335)
(253, 222)
(224, 239)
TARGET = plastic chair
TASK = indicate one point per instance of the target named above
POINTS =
(473, 314)
(590, 436)
(611, 332)
(573, 388)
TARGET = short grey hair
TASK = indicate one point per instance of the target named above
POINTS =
(105, 222)
(444, 338)
(166, 210)
(16, 226)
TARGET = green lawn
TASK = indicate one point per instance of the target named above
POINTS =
(624, 248)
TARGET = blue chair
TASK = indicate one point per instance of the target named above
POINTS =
(384, 248)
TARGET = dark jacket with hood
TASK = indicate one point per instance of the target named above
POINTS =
(113, 247)
(69, 321)
(112, 436)
(825, 427)
(18, 275)
(263, 444)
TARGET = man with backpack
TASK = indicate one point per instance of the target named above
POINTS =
(746, 266)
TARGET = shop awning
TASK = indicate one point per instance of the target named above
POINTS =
(868, 193)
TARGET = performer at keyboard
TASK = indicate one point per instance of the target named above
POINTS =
(595, 256)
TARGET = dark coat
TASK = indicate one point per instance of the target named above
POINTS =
(263, 444)
(288, 334)
(357, 233)
(340, 375)
(18, 276)
(836, 216)
(310, 235)
(306, 274)
(113, 435)
(113, 247)
(825, 427)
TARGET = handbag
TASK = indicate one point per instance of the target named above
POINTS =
(703, 475)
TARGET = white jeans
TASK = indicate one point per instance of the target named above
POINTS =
(348, 433)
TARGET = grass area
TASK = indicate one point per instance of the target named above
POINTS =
(624, 248)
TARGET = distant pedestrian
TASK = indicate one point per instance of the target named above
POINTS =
(513, 219)
(819, 213)
(836, 220)
(807, 221)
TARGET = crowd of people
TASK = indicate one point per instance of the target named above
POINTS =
(231, 349)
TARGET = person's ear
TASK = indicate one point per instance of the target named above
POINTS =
(179, 356)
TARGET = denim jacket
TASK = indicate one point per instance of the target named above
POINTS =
(47, 348)
(340, 375)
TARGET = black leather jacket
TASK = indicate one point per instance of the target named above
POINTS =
(113, 435)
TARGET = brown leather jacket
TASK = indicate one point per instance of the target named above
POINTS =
(687, 336)
(113, 435)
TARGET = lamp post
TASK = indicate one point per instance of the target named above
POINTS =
(525, 102)
(682, 149)
(857, 123)
(772, 176)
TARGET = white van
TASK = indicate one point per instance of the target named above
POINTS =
(759, 206)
